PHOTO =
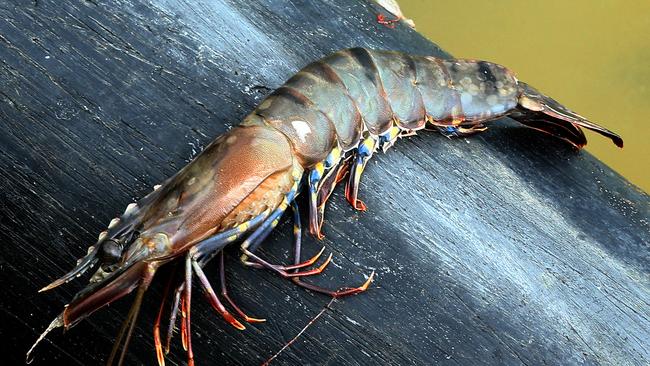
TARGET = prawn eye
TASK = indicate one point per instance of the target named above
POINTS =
(111, 252)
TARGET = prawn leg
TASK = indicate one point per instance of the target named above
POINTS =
(331, 179)
(208, 248)
(284, 270)
(186, 332)
(224, 293)
(295, 267)
(363, 154)
(297, 234)
(295, 277)
(160, 355)
(212, 297)
(459, 131)
(257, 237)
(388, 139)
(253, 241)
(173, 314)
(346, 291)
(195, 258)
(297, 231)
(322, 180)
(315, 177)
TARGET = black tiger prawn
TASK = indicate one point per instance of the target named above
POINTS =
(322, 125)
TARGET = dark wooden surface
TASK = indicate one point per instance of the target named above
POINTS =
(504, 248)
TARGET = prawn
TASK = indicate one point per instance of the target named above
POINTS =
(322, 125)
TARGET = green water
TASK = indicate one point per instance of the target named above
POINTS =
(591, 55)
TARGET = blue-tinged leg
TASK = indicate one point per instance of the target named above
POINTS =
(251, 243)
(295, 276)
(208, 248)
(257, 237)
(254, 240)
(264, 229)
(315, 177)
(332, 178)
(388, 139)
(297, 234)
(297, 247)
(323, 187)
(363, 153)
(458, 131)
(448, 131)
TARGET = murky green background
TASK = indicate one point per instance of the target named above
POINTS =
(591, 55)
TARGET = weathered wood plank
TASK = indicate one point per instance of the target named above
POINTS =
(503, 248)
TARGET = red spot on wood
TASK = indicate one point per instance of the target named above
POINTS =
(390, 23)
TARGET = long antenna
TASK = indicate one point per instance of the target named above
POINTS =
(129, 323)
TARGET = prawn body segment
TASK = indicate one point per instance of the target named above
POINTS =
(323, 125)
(368, 98)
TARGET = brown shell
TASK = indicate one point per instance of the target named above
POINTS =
(198, 198)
